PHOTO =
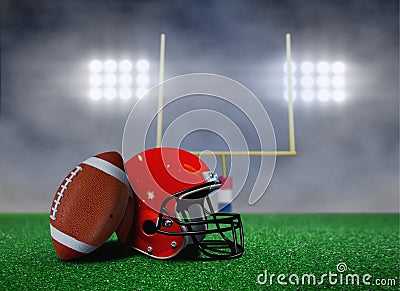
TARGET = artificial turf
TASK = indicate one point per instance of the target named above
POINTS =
(281, 244)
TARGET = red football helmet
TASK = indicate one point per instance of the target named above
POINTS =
(172, 208)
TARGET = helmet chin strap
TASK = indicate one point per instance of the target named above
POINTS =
(195, 211)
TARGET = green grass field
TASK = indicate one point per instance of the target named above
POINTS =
(281, 244)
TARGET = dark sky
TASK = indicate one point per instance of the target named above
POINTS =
(348, 153)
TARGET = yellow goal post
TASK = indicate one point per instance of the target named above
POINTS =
(223, 154)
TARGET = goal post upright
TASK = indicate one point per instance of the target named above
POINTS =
(160, 90)
(292, 147)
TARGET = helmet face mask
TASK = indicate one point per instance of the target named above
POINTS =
(173, 209)
(197, 224)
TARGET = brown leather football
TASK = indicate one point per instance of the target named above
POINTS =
(124, 229)
(89, 205)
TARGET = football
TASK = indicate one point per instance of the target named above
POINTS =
(89, 205)
(124, 229)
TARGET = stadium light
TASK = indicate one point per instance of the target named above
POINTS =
(142, 79)
(307, 81)
(307, 67)
(318, 81)
(323, 95)
(110, 80)
(142, 66)
(110, 93)
(95, 94)
(125, 80)
(294, 81)
(96, 80)
(110, 66)
(338, 95)
(113, 79)
(95, 66)
(338, 68)
(338, 82)
(294, 67)
(125, 66)
(125, 93)
(307, 95)
(323, 81)
(140, 92)
(323, 67)
(294, 94)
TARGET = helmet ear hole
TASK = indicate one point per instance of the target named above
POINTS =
(149, 227)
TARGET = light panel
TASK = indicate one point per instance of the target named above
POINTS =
(320, 81)
(113, 79)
